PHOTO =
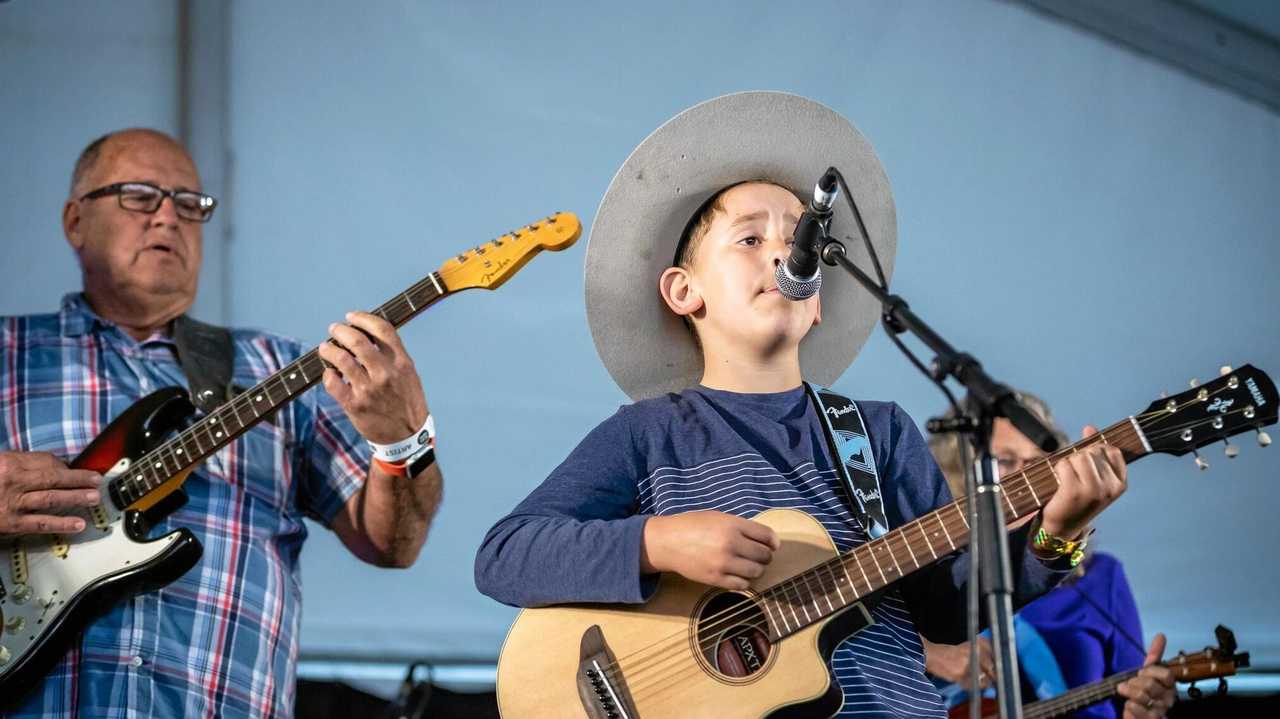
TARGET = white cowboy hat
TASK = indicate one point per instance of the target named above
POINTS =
(773, 136)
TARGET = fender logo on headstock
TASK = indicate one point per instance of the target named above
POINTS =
(493, 271)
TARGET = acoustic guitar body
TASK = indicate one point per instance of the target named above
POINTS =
(690, 651)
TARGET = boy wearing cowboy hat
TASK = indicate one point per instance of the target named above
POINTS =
(686, 315)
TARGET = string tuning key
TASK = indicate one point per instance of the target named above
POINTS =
(1225, 370)
(1201, 462)
(1194, 383)
(1231, 450)
(1264, 439)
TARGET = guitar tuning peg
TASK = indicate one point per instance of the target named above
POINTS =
(1225, 370)
(1164, 395)
(1201, 462)
(1231, 450)
(1194, 383)
(1264, 439)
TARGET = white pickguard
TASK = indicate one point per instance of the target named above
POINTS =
(58, 568)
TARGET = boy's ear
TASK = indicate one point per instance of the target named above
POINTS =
(676, 287)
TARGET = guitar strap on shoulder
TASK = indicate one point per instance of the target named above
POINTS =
(847, 439)
(207, 356)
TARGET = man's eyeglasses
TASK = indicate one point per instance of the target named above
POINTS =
(143, 197)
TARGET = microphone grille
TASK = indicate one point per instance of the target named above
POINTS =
(797, 289)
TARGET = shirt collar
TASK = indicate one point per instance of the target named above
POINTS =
(78, 318)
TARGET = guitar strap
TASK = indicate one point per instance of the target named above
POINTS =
(206, 354)
(847, 440)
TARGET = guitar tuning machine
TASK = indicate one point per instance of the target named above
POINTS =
(1225, 370)
(1264, 439)
(1194, 383)
(1230, 450)
(1222, 686)
(1201, 462)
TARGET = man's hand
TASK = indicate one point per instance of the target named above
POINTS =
(1088, 481)
(951, 662)
(373, 379)
(36, 487)
(708, 547)
(1150, 694)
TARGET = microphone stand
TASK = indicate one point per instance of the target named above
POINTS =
(989, 541)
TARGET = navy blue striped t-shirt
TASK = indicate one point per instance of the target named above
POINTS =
(576, 538)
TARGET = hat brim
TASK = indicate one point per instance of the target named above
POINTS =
(779, 137)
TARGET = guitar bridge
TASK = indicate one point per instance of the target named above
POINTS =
(601, 687)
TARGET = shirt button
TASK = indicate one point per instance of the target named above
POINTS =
(135, 662)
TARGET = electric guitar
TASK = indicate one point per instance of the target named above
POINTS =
(1210, 663)
(51, 587)
(698, 651)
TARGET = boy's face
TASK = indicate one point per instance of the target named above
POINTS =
(729, 291)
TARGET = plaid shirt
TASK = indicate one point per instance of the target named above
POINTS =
(223, 639)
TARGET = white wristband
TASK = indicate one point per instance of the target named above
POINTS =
(406, 448)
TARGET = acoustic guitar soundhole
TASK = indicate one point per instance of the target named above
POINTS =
(732, 633)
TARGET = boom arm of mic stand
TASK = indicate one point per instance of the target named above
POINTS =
(998, 399)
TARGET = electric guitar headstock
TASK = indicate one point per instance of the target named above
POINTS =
(489, 265)
(1239, 400)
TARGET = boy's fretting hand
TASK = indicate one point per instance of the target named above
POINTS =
(708, 547)
(1088, 481)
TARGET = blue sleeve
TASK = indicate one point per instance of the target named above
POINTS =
(1122, 655)
(576, 538)
(937, 595)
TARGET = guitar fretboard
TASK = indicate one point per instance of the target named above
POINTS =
(831, 586)
(232, 419)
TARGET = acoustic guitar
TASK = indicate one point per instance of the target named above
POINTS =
(698, 651)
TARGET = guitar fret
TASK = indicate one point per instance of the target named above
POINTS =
(942, 524)
(790, 604)
(800, 599)
(1008, 500)
(858, 563)
(409, 299)
(925, 536)
(894, 557)
(817, 609)
(434, 281)
(907, 541)
(871, 550)
(764, 603)
(964, 520)
(835, 582)
(781, 614)
(1027, 481)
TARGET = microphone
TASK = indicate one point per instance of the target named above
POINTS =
(800, 278)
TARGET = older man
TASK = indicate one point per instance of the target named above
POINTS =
(223, 639)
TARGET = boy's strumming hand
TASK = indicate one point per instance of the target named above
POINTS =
(1088, 481)
(708, 547)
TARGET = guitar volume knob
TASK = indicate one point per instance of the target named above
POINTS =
(21, 593)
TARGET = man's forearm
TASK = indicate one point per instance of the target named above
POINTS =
(394, 514)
